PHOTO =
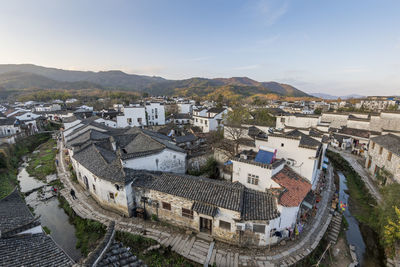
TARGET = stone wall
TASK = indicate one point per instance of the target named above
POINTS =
(381, 160)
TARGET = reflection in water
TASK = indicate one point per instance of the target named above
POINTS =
(51, 215)
(26, 182)
(353, 233)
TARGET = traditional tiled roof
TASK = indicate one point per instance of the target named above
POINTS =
(7, 121)
(390, 142)
(216, 110)
(222, 194)
(205, 209)
(305, 140)
(32, 250)
(185, 138)
(89, 135)
(119, 255)
(296, 187)
(101, 162)
(13, 212)
(358, 132)
(17, 249)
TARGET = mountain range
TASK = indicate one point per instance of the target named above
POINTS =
(17, 77)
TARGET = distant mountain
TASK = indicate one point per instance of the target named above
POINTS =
(23, 76)
(24, 80)
(332, 97)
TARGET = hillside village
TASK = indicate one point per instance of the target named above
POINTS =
(267, 180)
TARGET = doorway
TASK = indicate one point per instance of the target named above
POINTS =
(205, 225)
(86, 182)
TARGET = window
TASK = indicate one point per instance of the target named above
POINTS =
(129, 120)
(187, 213)
(156, 116)
(389, 158)
(380, 150)
(156, 110)
(282, 119)
(373, 145)
(252, 179)
(197, 120)
(111, 195)
(205, 122)
(224, 225)
(94, 187)
(259, 228)
(166, 206)
(139, 120)
(282, 144)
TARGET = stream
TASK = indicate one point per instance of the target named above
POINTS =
(363, 238)
(45, 204)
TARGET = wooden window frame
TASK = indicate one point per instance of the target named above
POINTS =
(224, 225)
(111, 195)
(380, 150)
(187, 213)
(389, 157)
(166, 206)
(373, 145)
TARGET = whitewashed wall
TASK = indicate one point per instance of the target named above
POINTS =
(167, 161)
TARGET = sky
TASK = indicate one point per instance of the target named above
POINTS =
(336, 47)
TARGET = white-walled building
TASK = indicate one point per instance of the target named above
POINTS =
(155, 113)
(209, 120)
(186, 108)
(133, 116)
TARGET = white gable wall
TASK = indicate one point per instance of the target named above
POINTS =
(167, 161)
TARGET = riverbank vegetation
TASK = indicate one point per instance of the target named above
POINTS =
(158, 257)
(88, 232)
(11, 156)
(42, 161)
(365, 208)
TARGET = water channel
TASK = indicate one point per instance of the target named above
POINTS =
(45, 204)
(360, 236)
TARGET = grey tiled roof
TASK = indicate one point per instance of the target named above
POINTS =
(119, 255)
(7, 121)
(205, 209)
(32, 250)
(390, 142)
(18, 249)
(216, 110)
(185, 138)
(251, 204)
(13, 212)
(90, 134)
(305, 140)
(101, 162)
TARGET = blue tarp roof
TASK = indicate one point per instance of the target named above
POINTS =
(326, 160)
(324, 166)
(264, 157)
(228, 162)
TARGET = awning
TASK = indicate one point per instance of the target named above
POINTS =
(205, 209)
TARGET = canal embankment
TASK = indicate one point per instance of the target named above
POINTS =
(365, 219)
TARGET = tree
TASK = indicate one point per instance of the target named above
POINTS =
(318, 111)
(220, 101)
(263, 118)
(392, 229)
(234, 130)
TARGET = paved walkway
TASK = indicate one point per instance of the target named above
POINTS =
(192, 246)
(353, 161)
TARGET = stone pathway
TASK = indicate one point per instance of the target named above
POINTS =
(195, 248)
(352, 160)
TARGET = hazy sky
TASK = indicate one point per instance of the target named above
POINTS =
(337, 47)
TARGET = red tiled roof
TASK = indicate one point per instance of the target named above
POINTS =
(296, 187)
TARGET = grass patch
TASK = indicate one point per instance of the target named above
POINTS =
(43, 163)
(46, 230)
(160, 257)
(88, 232)
(10, 157)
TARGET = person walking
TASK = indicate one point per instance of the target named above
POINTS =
(73, 194)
